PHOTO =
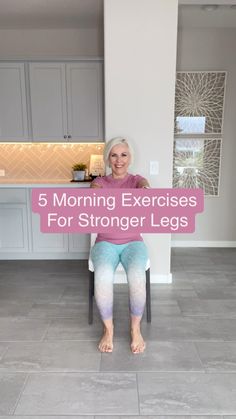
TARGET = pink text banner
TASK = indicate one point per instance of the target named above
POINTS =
(85, 210)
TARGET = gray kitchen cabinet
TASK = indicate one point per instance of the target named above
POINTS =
(48, 101)
(20, 235)
(79, 243)
(66, 101)
(13, 109)
(13, 222)
(56, 245)
(85, 101)
(47, 242)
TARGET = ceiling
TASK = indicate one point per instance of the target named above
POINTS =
(194, 16)
(51, 13)
(89, 14)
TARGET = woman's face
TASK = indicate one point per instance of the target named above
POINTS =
(119, 160)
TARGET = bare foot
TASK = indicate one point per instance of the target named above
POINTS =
(137, 343)
(106, 343)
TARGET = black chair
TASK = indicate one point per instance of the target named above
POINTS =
(91, 291)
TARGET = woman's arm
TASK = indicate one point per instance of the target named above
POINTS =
(143, 183)
(95, 185)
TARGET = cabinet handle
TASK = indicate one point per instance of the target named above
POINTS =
(69, 136)
(65, 136)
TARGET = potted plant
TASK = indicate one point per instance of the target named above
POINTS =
(79, 171)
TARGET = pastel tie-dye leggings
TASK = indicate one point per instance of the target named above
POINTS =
(106, 257)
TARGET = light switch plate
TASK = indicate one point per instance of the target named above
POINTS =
(154, 168)
(2, 172)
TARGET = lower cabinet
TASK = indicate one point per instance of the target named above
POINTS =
(79, 243)
(20, 235)
(76, 244)
(13, 228)
(46, 242)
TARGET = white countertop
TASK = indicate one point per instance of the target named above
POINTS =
(42, 183)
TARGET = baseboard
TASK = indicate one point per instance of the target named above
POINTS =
(120, 278)
(161, 278)
(43, 256)
(196, 243)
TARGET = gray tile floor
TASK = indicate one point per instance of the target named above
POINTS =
(50, 366)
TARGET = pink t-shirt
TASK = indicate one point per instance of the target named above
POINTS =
(129, 181)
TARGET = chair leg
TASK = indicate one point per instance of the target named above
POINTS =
(91, 294)
(148, 296)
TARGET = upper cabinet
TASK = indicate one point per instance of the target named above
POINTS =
(84, 101)
(66, 101)
(48, 101)
(13, 111)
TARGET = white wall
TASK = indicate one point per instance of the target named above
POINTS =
(214, 49)
(140, 53)
(50, 43)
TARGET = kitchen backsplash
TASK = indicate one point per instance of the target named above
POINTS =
(47, 161)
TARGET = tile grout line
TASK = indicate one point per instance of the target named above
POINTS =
(62, 295)
(44, 335)
(21, 392)
(5, 350)
(137, 386)
(195, 344)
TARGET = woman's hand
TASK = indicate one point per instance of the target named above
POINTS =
(95, 185)
(143, 183)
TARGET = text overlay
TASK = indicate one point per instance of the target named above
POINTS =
(85, 210)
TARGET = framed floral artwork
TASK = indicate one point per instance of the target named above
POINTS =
(199, 102)
(197, 164)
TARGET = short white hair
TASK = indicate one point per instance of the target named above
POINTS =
(116, 141)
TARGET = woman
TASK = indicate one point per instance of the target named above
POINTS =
(127, 248)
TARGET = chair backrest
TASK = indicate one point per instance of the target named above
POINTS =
(92, 239)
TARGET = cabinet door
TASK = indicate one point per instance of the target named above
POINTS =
(79, 243)
(85, 102)
(13, 228)
(13, 111)
(48, 101)
(47, 242)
